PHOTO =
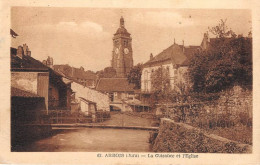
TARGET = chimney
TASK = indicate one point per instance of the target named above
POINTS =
(174, 40)
(205, 41)
(25, 49)
(20, 52)
(44, 62)
(29, 53)
(151, 56)
(50, 62)
(206, 36)
(73, 70)
(183, 45)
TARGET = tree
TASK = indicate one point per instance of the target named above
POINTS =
(107, 72)
(221, 30)
(160, 84)
(227, 62)
(134, 76)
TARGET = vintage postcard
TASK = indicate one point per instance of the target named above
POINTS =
(124, 82)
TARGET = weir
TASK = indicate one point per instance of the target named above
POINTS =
(78, 126)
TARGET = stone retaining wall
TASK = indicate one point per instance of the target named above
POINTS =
(180, 137)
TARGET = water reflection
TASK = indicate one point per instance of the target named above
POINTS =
(93, 140)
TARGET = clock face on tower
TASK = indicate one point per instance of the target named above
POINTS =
(126, 51)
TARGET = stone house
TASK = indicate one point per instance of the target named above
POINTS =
(86, 99)
(30, 75)
(118, 90)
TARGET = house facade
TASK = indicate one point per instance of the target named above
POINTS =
(175, 60)
(30, 75)
(84, 98)
(118, 90)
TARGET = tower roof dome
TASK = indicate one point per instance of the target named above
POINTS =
(122, 29)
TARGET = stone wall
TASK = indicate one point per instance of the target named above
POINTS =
(234, 101)
(180, 137)
(234, 106)
(228, 108)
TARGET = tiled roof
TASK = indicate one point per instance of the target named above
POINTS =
(174, 54)
(28, 63)
(114, 85)
(15, 92)
(75, 72)
(189, 52)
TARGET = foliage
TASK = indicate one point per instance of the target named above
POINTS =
(221, 30)
(160, 83)
(134, 76)
(108, 72)
(227, 62)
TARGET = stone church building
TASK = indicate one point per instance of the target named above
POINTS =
(118, 88)
(175, 59)
(122, 53)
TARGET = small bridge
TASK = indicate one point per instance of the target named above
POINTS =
(130, 106)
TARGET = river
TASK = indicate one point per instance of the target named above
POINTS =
(93, 140)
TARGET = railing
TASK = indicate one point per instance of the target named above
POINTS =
(65, 116)
(60, 117)
(57, 104)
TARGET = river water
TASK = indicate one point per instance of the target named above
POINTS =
(93, 140)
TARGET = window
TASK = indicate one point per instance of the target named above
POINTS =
(146, 75)
(118, 63)
(125, 43)
(146, 86)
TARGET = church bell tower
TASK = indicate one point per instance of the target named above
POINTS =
(122, 54)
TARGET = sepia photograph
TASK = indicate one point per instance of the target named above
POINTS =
(131, 80)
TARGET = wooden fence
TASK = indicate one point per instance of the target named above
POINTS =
(64, 116)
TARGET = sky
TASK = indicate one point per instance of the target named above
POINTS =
(83, 36)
